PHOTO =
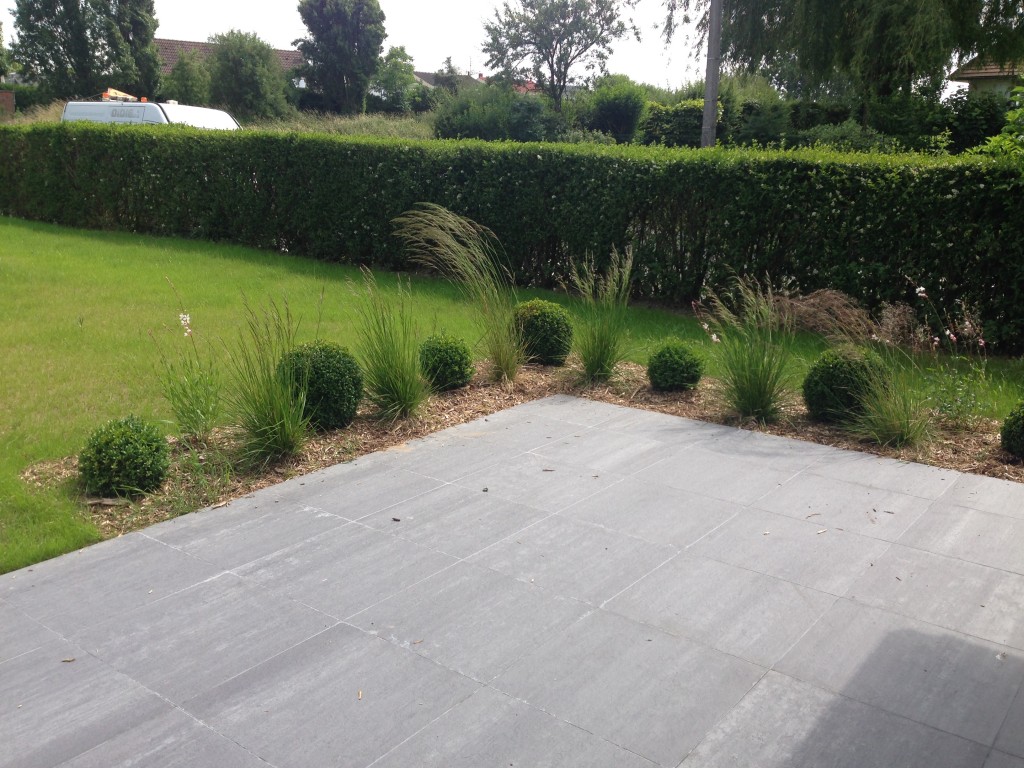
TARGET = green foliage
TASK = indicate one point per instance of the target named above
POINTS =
(77, 49)
(5, 56)
(246, 77)
(330, 377)
(192, 386)
(465, 252)
(28, 96)
(546, 331)
(446, 362)
(555, 37)
(494, 113)
(389, 353)
(957, 391)
(394, 86)
(616, 108)
(125, 457)
(602, 337)
(837, 383)
(266, 404)
(1011, 433)
(895, 410)
(1010, 141)
(675, 126)
(850, 136)
(753, 347)
(342, 51)
(675, 367)
(189, 81)
(812, 217)
(974, 118)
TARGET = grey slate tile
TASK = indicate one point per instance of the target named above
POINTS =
(455, 520)
(609, 676)
(771, 451)
(575, 560)
(576, 410)
(833, 503)
(699, 470)
(354, 499)
(943, 679)
(449, 457)
(1011, 735)
(967, 534)
(656, 513)
(229, 538)
(987, 494)
(974, 599)
(102, 581)
(538, 482)
(470, 619)
(889, 474)
(57, 702)
(784, 723)
(169, 740)
(605, 451)
(740, 612)
(1002, 760)
(193, 640)
(20, 634)
(342, 699)
(673, 431)
(794, 550)
(345, 570)
(492, 729)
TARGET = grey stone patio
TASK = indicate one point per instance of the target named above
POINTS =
(567, 583)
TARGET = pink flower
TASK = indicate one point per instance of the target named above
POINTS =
(981, 343)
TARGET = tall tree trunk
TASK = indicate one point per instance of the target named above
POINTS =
(713, 76)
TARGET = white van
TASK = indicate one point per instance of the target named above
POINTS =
(148, 113)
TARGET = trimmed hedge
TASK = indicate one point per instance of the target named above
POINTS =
(861, 224)
(546, 330)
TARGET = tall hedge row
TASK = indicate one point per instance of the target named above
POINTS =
(869, 225)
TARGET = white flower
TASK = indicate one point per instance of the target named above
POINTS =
(715, 339)
(705, 326)
(921, 293)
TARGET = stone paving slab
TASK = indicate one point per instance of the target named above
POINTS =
(565, 583)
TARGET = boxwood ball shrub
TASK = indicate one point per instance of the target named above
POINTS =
(1011, 434)
(124, 457)
(838, 381)
(446, 362)
(675, 367)
(333, 382)
(546, 330)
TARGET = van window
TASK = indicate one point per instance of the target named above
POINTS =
(199, 117)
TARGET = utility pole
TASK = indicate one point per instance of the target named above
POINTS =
(713, 76)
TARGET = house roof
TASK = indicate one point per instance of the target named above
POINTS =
(977, 69)
(170, 51)
(429, 79)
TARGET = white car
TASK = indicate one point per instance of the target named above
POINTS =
(148, 113)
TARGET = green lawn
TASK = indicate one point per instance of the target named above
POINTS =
(86, 313)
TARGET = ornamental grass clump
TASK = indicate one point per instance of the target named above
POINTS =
(753, 339)
(602, 336)
(446, 362)
(330, 377)
(267, 404)
(470, 255)
(895, 411)
(124, 457)
(546, 331)
(675, 367)
(389, 353)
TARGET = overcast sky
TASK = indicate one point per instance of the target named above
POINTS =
(430, 31)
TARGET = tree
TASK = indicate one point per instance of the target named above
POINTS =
(5, 60)
(343, 50)
(189, 81)
(246, 76)
(81, 47)
(547, 39)
(883, 47)
(395, 81)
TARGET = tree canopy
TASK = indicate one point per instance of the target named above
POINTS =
(81, 47)
(882, 47)
(5, 59)
(548, 39)
(246, 77)
(189, 81)
(343, 50)
(395, 81)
